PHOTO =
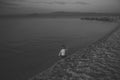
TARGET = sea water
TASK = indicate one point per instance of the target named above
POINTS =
(31, 45)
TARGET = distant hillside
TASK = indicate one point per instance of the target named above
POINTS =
(61, 14)
(84, 14)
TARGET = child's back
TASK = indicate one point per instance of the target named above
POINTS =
(62, 52)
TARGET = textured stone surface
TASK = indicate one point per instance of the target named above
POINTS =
(99, 61)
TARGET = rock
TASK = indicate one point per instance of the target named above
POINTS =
(98, 61)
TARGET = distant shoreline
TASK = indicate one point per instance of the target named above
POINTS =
(104, 17)
(58, 15)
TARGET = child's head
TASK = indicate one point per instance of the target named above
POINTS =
(63, 46)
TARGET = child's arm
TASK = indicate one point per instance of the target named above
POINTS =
(59, 53)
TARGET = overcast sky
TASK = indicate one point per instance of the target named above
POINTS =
(40, 6)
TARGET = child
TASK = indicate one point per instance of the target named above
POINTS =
(62, 52)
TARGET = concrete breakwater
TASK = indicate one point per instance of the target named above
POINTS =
(98, 61)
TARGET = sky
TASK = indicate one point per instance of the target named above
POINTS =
(43, 6)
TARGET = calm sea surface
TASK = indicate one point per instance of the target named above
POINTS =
(31, 45)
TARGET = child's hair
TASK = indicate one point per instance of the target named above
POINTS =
(63, 46)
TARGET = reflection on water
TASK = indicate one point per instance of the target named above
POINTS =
(28, 46)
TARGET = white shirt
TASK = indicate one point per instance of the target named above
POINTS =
(62, 52)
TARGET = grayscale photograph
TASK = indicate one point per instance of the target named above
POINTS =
(60, 39)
